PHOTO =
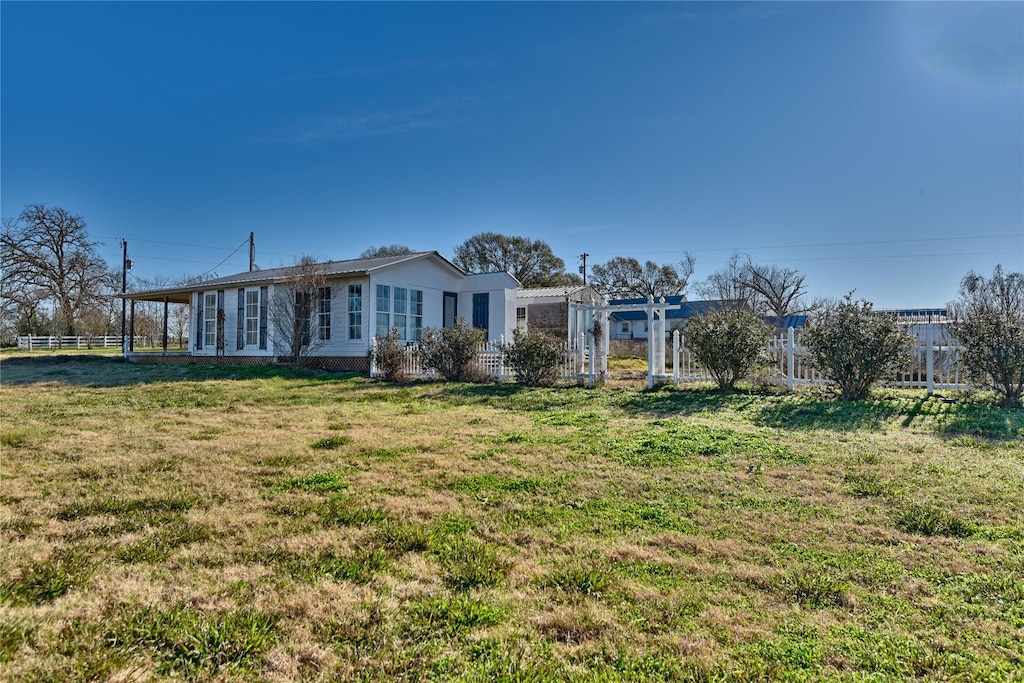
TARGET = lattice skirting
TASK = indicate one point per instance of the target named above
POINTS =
(329, 363)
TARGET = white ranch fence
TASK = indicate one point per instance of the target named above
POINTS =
(86, 342)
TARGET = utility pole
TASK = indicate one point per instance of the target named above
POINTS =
(124, 301)
(583, 268)
(252, 251)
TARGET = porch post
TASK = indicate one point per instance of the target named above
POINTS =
(131, 334)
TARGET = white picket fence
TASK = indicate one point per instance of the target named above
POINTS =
(489, 360)
(87, 342)
(935, 364)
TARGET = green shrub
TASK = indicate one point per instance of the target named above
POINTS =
(534, 356)
(728, 343)
(855, 348)
(989, 324)
(388, 355)
(452, 351)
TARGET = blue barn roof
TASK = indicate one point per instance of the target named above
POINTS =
(688, 309)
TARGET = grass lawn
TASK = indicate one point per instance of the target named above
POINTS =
(223, 523)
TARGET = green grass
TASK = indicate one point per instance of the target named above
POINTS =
(222, 523)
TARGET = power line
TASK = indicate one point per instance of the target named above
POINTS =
(821, 244)
(244, 243)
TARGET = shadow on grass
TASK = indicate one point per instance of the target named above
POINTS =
(112, 371)
(767, 408)
(986, 422)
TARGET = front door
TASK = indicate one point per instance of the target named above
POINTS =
(451, 309)
(481, 310)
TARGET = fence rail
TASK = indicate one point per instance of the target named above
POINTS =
(81, 342)
(935, 363)
(489, 360)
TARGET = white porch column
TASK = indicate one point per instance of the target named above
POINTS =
(790, 357)
(675, 357)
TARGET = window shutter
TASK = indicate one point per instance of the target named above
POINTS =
(263, 317)
(240, 335)
(199, 322)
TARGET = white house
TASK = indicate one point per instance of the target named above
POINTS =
(361, 298)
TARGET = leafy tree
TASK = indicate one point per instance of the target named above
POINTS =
(854, 347)
(452, 351)
(534, 356)
(388, 250)
(729, 343)
(46, 251)
(293, 309)
(532, 262)
(988, 321)
(625, 278)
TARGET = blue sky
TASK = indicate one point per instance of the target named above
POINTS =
(873, 146)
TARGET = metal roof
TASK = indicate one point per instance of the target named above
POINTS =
(540, 292)
(349, 267)
(687, 309)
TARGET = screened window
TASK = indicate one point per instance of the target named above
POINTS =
(355, 311)
(252, 317)
(210, 319)
(324, 312)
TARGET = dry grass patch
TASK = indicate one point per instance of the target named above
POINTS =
(476, 532)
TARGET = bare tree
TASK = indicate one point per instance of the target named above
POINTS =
(726, 284)
(776, 291)
(388, 250)
(48, 249)
(625, 278)
(293, 310)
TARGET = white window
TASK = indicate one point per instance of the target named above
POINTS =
(324, 312)
(521, 318)
(355, 311)
(252, 317)
(210, 319)
(399, 308)
(383, 310)
(415, 313)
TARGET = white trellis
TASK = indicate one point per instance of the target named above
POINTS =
(596, 359)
